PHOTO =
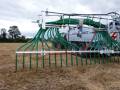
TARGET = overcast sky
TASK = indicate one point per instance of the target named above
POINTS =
(23, 12)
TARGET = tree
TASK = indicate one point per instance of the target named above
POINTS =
(14, 32)
(3, 33)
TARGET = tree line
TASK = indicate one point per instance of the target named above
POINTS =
(12, 35)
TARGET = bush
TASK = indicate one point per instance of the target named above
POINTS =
(18, 40)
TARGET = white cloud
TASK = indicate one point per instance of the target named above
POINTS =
(22, 12)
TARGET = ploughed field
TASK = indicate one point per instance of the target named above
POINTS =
(87, 77)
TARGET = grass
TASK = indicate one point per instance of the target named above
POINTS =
(86, 77)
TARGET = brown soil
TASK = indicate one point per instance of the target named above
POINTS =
(87, 77)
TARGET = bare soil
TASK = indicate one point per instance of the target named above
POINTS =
(86, 77)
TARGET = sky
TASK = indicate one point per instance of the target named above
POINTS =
(23, 12)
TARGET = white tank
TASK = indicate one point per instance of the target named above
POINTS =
(82, 34)
(114, 30)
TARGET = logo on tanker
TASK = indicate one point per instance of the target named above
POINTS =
(114, 35)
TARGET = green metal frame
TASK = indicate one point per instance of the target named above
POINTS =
(51, 35)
